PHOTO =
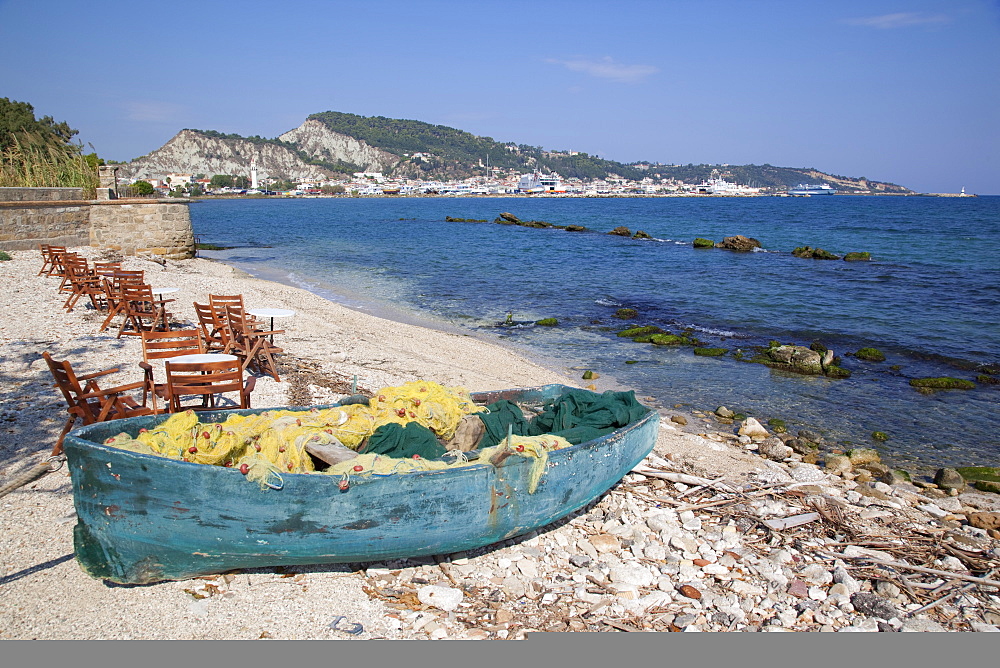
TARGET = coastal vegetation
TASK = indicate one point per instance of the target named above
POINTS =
(36, 153)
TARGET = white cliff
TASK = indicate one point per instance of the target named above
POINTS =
(322, 143)
(197, 153)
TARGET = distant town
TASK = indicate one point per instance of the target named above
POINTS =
(365, 184)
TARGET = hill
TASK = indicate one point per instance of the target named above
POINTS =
(332, 143)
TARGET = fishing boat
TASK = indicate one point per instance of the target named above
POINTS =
(143, 518)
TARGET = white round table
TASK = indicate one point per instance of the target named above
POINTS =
(201, 358)
(271, 313)
(164, 291)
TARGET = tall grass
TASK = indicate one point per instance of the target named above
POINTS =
(32, 162)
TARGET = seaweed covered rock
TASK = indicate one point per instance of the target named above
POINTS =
(703, 243)
(575, 228)
(537, 224)
(858, 257)
(669, 340)
(449, 219)
(509, 217)
(870, 354)
(983, 478)
(621, 231)
(710, 352)
(626, 313)
(738, 243)
(547, 322)
(943, 383)
(639, 234)
(814, 253)
(633, 332)
(800, 359)
(797, 358)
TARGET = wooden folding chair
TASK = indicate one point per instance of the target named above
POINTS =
(165, 345)
(212, 326)
(220, 302)
(89, 402)
(62, 261)
(258, 352)
(207, 380)
(83, 281)
(139, 306)
(107, 268)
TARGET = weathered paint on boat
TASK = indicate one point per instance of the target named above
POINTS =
(144, 519)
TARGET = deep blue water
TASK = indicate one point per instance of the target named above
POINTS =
(930, 299)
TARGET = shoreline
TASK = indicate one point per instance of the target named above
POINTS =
(632, 558)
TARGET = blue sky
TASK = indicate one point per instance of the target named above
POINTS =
(900, 91)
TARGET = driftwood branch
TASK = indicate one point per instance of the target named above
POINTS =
(920, 569)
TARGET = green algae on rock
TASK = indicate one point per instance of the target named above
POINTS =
(863, 256)
(703, 243)
(880, 436)
(943, 383)
(710, 352)
(626, 313)
(547, 322)
(870, 354)
(633, 332)
(814, 253)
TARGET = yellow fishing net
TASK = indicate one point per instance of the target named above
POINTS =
(272, 443)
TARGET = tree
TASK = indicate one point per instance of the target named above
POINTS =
(17, 119)
(142, 188)
(221, 181)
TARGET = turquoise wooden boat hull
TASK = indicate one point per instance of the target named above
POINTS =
(145, 519)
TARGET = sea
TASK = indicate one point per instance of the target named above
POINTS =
(929, 298)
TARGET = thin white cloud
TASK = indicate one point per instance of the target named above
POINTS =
(607, 68)
(899, 20)
(153, 112)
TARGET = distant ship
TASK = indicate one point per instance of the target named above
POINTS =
(812, 189)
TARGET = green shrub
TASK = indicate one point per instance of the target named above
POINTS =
(4, 256)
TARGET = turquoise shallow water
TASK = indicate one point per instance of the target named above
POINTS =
(930, 299)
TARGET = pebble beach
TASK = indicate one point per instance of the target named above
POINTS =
(722, 528)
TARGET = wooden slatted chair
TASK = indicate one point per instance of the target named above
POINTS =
(220, 302)
(212, 326)
(139, 306)
(166, 345)
(83, 282)
(107, 268)
(113, 292)
(89, 402)
(207, 380)
(49, 253)
(62, 260)
(257, 351)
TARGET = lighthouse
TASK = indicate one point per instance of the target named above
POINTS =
(254, 183)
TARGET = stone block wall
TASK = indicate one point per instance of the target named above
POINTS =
(24, 225)
(33, 216)
(143, 227)
(40, 194)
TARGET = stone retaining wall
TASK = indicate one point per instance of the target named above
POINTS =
(33, 216)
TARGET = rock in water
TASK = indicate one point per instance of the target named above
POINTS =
(738, 243)
(509, 217)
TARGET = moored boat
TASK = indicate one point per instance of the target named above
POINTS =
(813, 189)
(143, 518)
